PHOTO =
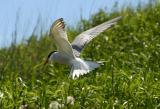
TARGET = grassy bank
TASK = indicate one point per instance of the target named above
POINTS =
(130, 77)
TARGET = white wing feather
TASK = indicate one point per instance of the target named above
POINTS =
(59, 35)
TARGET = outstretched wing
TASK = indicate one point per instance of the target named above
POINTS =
(59, 35)
(85, 37)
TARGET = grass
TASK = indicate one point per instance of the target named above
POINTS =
(129, 79)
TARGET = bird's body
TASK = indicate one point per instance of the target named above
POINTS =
(77, 65)
(70, 53)
(61, 58)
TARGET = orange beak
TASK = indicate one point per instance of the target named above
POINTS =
(46, 62)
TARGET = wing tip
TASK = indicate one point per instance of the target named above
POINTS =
(59, 23)
(116, 19)
(119, 17)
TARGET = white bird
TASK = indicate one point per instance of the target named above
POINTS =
(69, 53)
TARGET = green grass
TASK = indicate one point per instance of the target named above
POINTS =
(129, 79)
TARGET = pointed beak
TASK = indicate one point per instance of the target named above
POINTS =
(46, 62)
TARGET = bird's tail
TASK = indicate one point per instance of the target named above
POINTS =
(81, 67)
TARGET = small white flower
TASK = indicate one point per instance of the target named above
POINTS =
(23, 106)
(55, 105)
(83, 88)
(106, 38)
(1, 94)
(70, 100)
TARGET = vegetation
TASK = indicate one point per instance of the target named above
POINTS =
(129, 78)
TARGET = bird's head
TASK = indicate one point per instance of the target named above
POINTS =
(49, 57)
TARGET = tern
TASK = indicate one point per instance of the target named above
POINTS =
(69, 53)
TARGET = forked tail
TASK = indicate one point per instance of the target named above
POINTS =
(81, 67)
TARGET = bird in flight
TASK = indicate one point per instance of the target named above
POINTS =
(69, 53)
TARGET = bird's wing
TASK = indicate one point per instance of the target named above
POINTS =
(59, 35)
(85, 37)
